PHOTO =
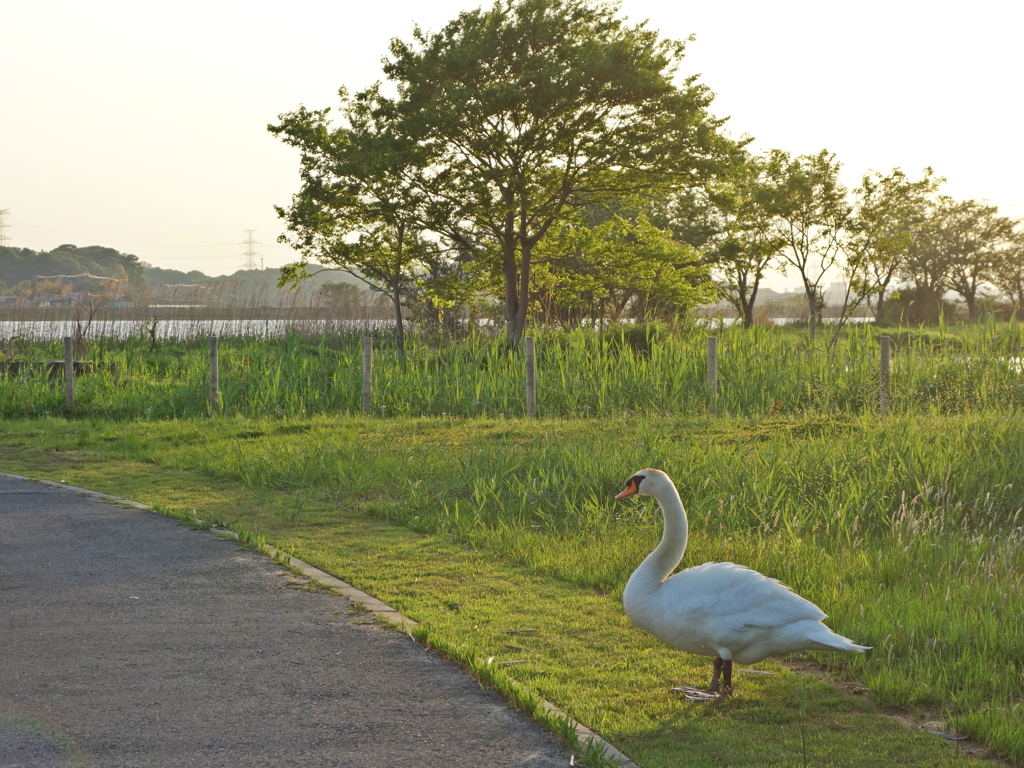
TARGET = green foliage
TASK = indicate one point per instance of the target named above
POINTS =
(762, 371)
(157, 276)
(810, 213)
(746, 242)
(960, 247)
(530, 109)
(919, 305)
(616, 270)
(18, 265)
(343, 296)
(889, 212)
(1008, 271)
(356, 208)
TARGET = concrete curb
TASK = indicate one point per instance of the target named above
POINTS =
(379, 609)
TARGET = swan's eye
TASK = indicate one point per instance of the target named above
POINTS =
(636, 479)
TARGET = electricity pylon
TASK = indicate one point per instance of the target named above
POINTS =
(250, 252)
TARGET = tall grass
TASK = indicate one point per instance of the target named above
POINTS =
(763, 371)
(907, 530)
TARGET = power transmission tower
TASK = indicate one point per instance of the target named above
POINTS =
(250, 252)
(4, 239)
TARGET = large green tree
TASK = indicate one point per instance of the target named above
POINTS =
(974, 235)
(810, 216)
(747, 242)
(888, 211)
(958, 248)
(356, 208)
(532, 108)
(1008, 271)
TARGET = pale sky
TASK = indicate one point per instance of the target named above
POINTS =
(142, 126)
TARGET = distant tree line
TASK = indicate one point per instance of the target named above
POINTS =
(67, 268)
(97, 274)
(541, 160)
(891, 238)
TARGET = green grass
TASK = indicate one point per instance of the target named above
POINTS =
(906, 530)
(763, 371)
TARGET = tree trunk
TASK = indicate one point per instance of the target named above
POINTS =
(511, 275)
(878, 307)
(517, 326)
(843, 317)
(972, 306)
(748, 304)
(811, 314)
(396, 294)
(396, 298)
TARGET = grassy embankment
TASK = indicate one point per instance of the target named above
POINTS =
(905, 529)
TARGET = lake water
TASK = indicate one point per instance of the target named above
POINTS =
(728, 322)
(49, 330)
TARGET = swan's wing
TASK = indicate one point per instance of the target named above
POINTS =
(740, 598)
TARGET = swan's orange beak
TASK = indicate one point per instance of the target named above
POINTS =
(631, 490)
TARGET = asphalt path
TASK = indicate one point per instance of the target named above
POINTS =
(127, 639)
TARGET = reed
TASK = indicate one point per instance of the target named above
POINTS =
(907, 530)
(762, 371)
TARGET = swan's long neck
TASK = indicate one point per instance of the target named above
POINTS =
(664, 559)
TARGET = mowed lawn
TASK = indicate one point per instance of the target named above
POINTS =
(502, 538)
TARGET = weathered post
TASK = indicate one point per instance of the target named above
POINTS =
(69, 374)
(214, 376)
(531, 379)
(883, 379)
(713, 375)
(367, 374)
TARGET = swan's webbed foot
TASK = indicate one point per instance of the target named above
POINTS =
(697, 694)
(715, 691)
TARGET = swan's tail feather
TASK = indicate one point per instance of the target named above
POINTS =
(832, 641)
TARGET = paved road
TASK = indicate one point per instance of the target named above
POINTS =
(127, 639)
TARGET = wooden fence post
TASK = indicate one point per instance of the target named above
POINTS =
(214, 376)
(531, 379)
(69, 374)
(883, 379)
(367, 374)
(713, 375)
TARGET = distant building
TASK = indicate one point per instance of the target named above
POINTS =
(835, 294)
(54, 300)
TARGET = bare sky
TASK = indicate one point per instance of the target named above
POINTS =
(142, 126)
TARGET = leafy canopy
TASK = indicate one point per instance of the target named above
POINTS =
(528, 110)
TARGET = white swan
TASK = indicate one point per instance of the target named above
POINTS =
(722, 610)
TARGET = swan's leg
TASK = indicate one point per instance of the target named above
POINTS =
(713, 688)
(727, 677)
(712, 692)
